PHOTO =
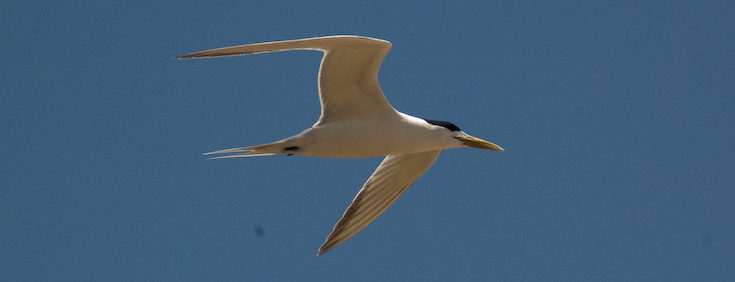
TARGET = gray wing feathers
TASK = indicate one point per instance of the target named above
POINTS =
(348, 76)
(393, 177)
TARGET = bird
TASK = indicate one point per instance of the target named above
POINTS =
(357, 121)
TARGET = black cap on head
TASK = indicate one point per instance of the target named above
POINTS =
(445, 124)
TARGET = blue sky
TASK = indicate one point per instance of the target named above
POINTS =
(617, 120)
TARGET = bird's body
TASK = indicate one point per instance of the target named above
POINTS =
(375, 136)
(358, 122)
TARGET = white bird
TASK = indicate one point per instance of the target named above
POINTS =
(357, 122)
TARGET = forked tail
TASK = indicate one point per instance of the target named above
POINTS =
(252, 151)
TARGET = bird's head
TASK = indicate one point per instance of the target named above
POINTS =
(465, 138)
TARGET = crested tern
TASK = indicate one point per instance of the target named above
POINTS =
(357, 122)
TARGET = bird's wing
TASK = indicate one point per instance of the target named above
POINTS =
(394, 175)
(348, 76)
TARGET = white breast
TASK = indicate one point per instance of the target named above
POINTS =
(373, 137)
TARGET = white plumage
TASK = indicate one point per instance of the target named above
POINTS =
(357, 122)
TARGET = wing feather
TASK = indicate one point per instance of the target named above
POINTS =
(389, 181)
(348, 75)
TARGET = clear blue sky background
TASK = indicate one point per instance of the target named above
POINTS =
(618, 121)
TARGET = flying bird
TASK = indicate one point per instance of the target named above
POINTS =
(357, 122)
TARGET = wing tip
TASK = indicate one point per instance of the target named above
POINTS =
(325, 248)
(263, 47)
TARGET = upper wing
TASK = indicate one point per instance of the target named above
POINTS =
(348, 76)
(394, 175)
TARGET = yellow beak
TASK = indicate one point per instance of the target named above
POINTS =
(478, 143)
